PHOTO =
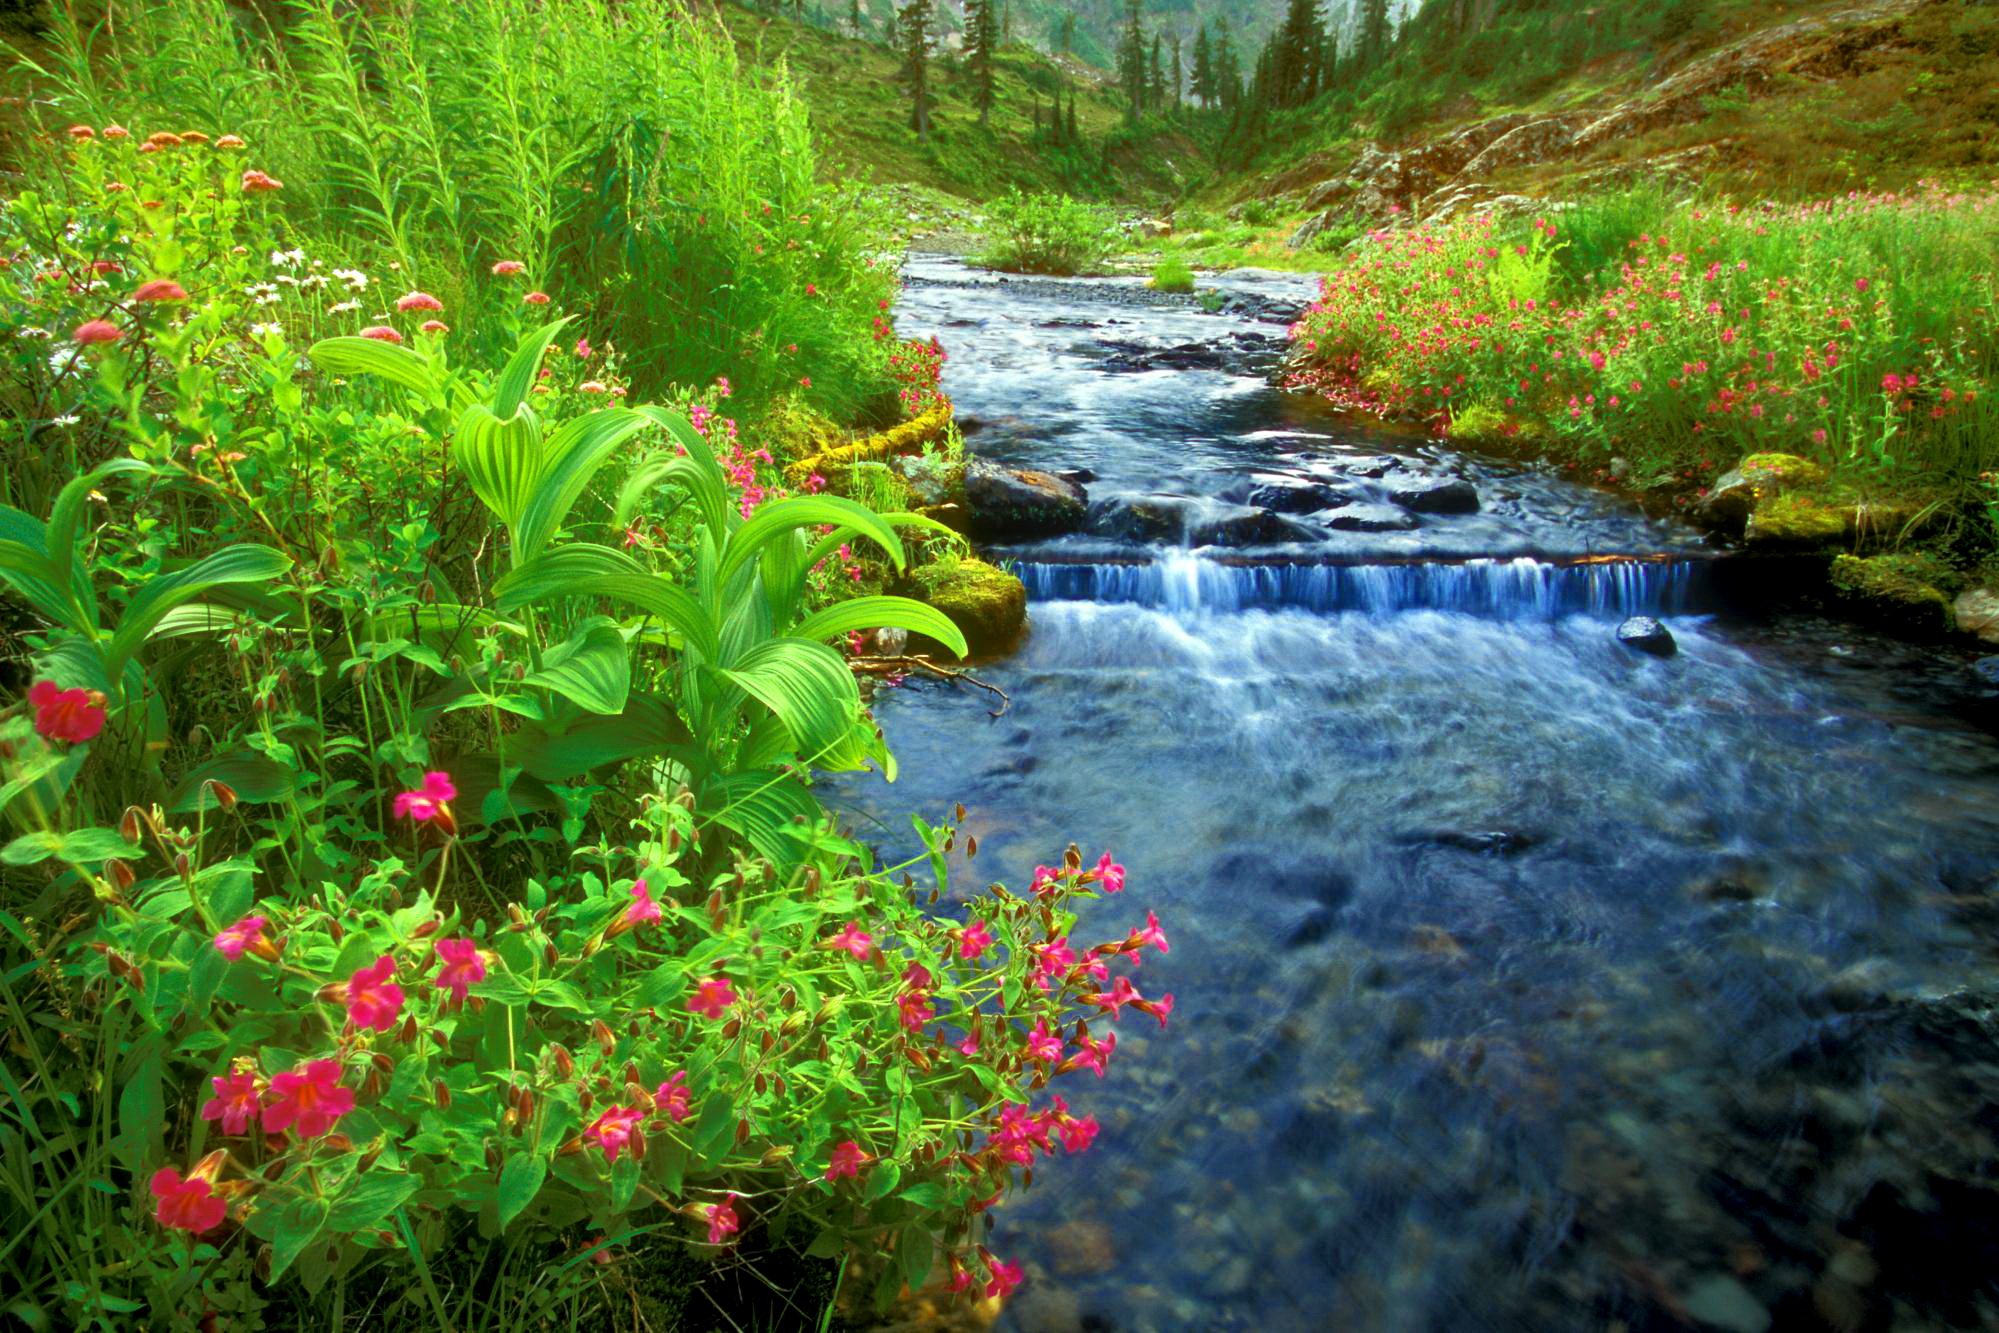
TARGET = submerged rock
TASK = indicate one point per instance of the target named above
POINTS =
(1152, 518)
(1254, 527)
(1435, 495)
(1893, 591)
(1647, 636)
(1370, 518)
(1286, 495)
(987, 604)
(1019, 503)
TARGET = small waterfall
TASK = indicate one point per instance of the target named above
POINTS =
(1519, 589)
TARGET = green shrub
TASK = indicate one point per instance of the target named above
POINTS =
(1046, 233)
(1173, 275)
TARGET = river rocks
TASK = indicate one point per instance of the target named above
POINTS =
(1374, 468)
(1370, 518)
(1977, 614)
(1894, 592)
(1719, 1301)
(1008, 503)
(1235, 353)
(1286, 495)
(1151, 518)
(1737, 493)
(988, 605)
(1253, 527)
(1647, 636)
(1435, 495)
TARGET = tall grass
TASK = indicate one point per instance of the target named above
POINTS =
(622, 152)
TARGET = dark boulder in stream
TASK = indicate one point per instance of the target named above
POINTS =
(1435, 495)
(1647, 636)
(1009, 503)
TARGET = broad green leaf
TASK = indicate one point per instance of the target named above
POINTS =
(781, 517)
(371, 356)
(520, 1180)
(582, 569)
(764, 806)
(573, 455)
(864, 613)
(254, 777)
(807, 685)
(593, 670)
(648, 725)
(243, 563)
(501, 459)
(297, 1225)
(510, 390)
(371, 1198)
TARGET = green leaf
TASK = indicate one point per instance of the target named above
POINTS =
(298, 1223)
(370, 1199)
(254, 777)
(809, 688)
(928, 1194)
(510, 390)
(243, 563)
(574, 454)
(865, 613)
(592, 670)
(582, 569)
(765, 806)
(647, 725)
(31, 848)
(883, 1177)
(712, 1130)
(781, 517)
(917, 1251)
(501, 459)
(372, 356)
(520, 1180)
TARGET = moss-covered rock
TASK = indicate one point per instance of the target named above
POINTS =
(1897, 592)
(1797, 521)
(1756, 481)
(988, 604)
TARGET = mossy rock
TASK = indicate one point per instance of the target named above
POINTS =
(1897, 592)
(1756, 481)
(1786, 471)
(1798, 521)
(988, 604)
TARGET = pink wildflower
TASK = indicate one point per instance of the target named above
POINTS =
(374, 1000)
(460, 965)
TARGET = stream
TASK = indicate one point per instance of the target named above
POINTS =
(1524, 980)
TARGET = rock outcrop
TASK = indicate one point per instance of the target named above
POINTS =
(986, 603)
(1007, 502)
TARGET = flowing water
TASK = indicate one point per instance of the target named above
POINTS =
(1524, 981)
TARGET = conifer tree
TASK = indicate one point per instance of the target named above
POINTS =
(1074, 136)
(1177, 72)
(1068, 34)
(1131, 60)
(917, 16)
(856, 23)
(982, 35)
(1376, 32)
(1155, 78)
(1204, 68)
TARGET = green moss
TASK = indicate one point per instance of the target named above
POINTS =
(1786, 470)
(1797, 521)
(1896, 591)
(987, 603)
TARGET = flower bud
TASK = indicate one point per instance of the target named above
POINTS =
(427, 929)
(742, 1132)
(225, 795)
(410, 1029)
(441, 1094)
(607, 1040)
(338, 1142)
(182, 866)
(565, 1065)
(128, 826)
(120, 874)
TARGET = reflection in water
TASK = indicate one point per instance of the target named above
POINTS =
(1524, 982)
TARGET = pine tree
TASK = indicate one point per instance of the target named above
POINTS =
(891, 30)
(1297, 51)
(1375, 33)
(1228, 65)
(982, 35)
(1074, 137)
(1204, 68)
(1155, 78)
(1068, 37)
(1179, 73)
(856, 22)
(917, 16)
(1131, 60)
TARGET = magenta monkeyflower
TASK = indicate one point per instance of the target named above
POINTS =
(1110, 874)
(722, 1221)
(1158, 1008)
(236, 1103)
(71, 716)
(1078, 1135)
(1151, 934)
(428, 801)
(675, 1101)
(1113, 1002)
(1043, 1044)
(853, 939)
(246, 936)
(1005, 1277)
(915, 1009)
(374, 1000)
(186, 1205)
(712, 997)
(643, 908)
(308, 1099)
(847, 1161)
(974, 940)
(459, 965)
(613, 1130)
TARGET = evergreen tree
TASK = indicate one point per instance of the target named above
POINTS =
(1297, 53)
(1178, 72)
(982, 36)
(1074, 136)
(856, 22)
(1131, 59)
(1228, 65)
(1376, 32)
(891, 30)
(1155, 78)
(1204, 68)
(917, 16)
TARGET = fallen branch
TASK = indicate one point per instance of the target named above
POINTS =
(902, 665)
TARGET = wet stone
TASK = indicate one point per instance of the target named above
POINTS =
(1435, 495)
(1370, 518)
(1722, 1302)
(1647, 636)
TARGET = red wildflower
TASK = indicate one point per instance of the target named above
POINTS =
(81, 132)
(308, 1100)
(974, 940)
(186, 1205)
(374, 1000)
(246, 936)
(674, 1098)
(94, 331)
(853, 939)
(712, 997)
(460, 964)
(382, 333)
(722, 1221)
(434, 797)
(613, 1130)
(160, 289)
(507, 268)
(409, 301)
(256, 182)
(536, 298)
(847, 1161)
(236, 1102)
(433, 326)
(71, 716)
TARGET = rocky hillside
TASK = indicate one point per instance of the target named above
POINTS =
(1831, 98)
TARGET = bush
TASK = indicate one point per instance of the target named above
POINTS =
(1856, 332)
(1173, 275)
(413, 878)
(1046, 233)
